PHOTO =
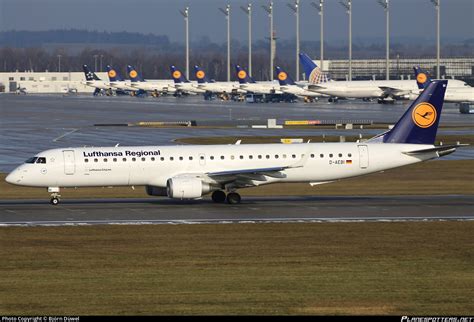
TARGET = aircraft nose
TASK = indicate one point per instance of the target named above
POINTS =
(14, 177)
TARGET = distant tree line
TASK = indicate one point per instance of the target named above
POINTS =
(152, 54)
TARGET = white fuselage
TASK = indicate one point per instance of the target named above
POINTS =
(152, 86)
(373, 88)
(221, 87)
(154, 165)
(123, 85)
(191, 87)
(299, 91)
(97, 84)
(262, 88)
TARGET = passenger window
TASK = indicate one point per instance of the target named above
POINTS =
(212, 157)
(162, 159)
(134, 159)
(312, 155)
(259, 156)
(293, 156)
(232, 157)
(124, 159)
(105, 160)
(152, 158)
(321, 155)
(267, 156)
(86, 160)
(180, 158)
(330, 155)
(96, 160)
(190, 158)
(222, 157)
(171, 158)
(340, 155)
(349, 155)
(241, 157)
(115, 159)
(143, 159)
(201, 157)
(276, 156)
(284, 156)
(250, 157)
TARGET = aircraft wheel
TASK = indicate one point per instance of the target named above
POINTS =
(54, 201)
(233, 198)
(218, 196)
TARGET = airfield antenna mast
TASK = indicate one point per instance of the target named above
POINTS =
(248, 11)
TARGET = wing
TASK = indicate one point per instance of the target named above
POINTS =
(392, 91)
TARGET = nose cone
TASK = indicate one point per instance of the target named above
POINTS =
(14, 177)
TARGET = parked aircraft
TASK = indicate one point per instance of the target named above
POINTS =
(228, 88)
(117, 81)
(288, 86)
(155, 87)
(182, 84)
(250, 85)
(94, 81)
(189, 172)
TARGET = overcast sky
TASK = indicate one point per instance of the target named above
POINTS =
(409, 18)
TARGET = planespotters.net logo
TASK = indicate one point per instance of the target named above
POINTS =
(437, 319)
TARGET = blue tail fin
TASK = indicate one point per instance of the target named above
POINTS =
(422, 78)
(134, 74)
(419, 123)
(177, 76)
(200, 75)
(312, 71)
(113, 74)
(243, 76)
(90, 75)
(283, 77)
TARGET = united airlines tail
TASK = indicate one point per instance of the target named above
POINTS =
(312, 71)
(133, 74)
(283, 77)
(419, 123)
(422, 78)
(90, 75)
(113, 74)
(200, 75)
(177, 76)
(243, 76)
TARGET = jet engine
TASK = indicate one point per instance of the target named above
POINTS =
(186, 188)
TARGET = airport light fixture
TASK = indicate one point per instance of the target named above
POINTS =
(320, 8)
(95, 62)
(185, 14)
(101, 57)
(269, 10)
(437, 7)
(347, 4)
(248, 11)
(384, 4)
(226, 12)
(296, 10)
(59, 63)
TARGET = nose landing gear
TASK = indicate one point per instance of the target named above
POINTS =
(55, 196)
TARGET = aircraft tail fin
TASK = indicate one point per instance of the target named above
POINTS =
(419, 123)
(243, 76)
(283, 77)
(177, 76)
(134, 74)
(113, 74)
(90, 75)
(422, 77)
(313, 73)
(200, 75)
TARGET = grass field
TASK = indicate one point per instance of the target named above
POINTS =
(422, 268)
(449, 177)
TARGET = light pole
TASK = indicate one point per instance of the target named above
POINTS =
(226, 12)
(248, 11)
(269, 10)
(101, 56)
(437, 7)
(59, 63)
(296, 10)
(320, 9)
(348, 5)
(384, 4)
(95, 62)
(185, 14)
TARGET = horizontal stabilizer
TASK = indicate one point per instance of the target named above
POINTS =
(441, 150)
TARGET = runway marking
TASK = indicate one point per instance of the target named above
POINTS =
(233, 221)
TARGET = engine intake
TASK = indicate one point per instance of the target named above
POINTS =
(155, 191)
(186, 188)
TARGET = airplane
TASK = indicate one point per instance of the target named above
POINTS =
(250, 85)
(462, 93)
(117, 81)
(386, 91)
(288, 86)
(156, 87)
(94, 81)
(189, 172)
(204, 83)
(182, 84)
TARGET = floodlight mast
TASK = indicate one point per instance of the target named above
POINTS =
(384, 4)
(185, 14)
(320, 8)
(226, 12)
(437, 7)
(347, 4)
(269, 10)
(296, 9)
(248, 11)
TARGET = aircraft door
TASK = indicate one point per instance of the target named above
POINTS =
(363, 156)
(69, 162)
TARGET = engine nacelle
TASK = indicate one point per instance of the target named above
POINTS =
(186, 188)
(156, 191)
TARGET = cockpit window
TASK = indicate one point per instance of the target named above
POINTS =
(41, 160)
(31, 160)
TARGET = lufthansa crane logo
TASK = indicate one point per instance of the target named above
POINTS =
(242, 74)
(200, 74)
(421, 78)
(424, 115)
(112, 73)
(133, 73)
(176, 74)
(282, 76)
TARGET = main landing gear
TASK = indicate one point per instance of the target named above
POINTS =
(232, 198)
(55, 196)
